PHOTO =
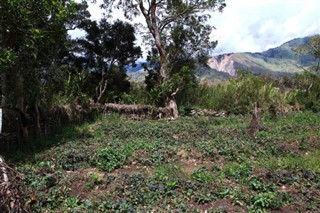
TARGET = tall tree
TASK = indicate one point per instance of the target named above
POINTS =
(108, 48)
(312, 48)
(31, 33)
(176, 27)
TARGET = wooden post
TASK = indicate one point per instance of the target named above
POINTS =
(256, 120)
(0, 120)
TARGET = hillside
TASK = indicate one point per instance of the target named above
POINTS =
(282, 60)
(203, 74)
(277, 61)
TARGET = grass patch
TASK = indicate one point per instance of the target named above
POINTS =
(187, 165)
(309, 161)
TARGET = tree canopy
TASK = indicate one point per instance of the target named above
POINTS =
(30, 35)
(177, 28)
(107, 49)
(313, 49)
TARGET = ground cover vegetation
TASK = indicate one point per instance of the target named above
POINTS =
(192, 164)
(114, 163)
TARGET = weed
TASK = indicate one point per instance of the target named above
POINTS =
(202, 175)
(167, 173)
(278, 168)
(266, 200)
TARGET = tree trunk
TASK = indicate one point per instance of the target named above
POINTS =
(153, 26)
(170, 111)
(172, 105)
(23, 123)
(3, 89)
(101, 88)
(37, 119)
(256, 120)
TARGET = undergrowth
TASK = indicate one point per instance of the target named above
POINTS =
(190, 164)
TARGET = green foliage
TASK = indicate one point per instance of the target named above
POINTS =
(34, 32)
(108, 48)
(7, 59)
(117, 164)
(312, 48)
(307, 161)
(266, 200)
(112, 157)
(136, 95)
(179, 33)
(203, 176)
(238, 95)
(167, 173)
(308, 86)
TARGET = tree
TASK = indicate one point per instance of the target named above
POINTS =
(108, 48)
(177, 28)
(312, 48)
(31, 36)
(308, 82)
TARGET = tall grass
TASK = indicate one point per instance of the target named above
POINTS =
(308, 90)
(239, 94)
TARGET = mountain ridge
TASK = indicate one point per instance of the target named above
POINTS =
(278, 61)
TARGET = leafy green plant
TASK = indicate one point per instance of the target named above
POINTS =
(308, 85)
(111, 158)
(168, 173)
(239, 94)
(262, 201)
(96, 178)
(178, 166)
(257, 185)
(236, 171)
(202, 175)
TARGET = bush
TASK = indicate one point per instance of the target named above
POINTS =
(308, 87)
(238, 95)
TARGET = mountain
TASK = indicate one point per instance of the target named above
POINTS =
(137, 76)
(135, 68)
(279, 61)
(282, 60)
(202, 73)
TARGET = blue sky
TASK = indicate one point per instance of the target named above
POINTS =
(256, 25)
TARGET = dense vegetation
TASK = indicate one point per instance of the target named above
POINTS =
(114, 163)
(42, 66)
(188, 165)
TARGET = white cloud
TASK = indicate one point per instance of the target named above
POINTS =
(256, 25)
(253, 25)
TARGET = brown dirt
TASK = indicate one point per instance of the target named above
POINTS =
(224, 205)
(138, 154)
(191, 160)
(290, 146)
(132, 169)
(79, 179)
(313, 141)
(285, 209)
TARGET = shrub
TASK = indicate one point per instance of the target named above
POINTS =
(308, 86)
(238, 95)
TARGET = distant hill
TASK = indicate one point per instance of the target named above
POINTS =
(203, 73)
(282, 60)
(136, 68)
(137, 76)
(279, 61)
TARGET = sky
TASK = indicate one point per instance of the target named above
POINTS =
(256, 25)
